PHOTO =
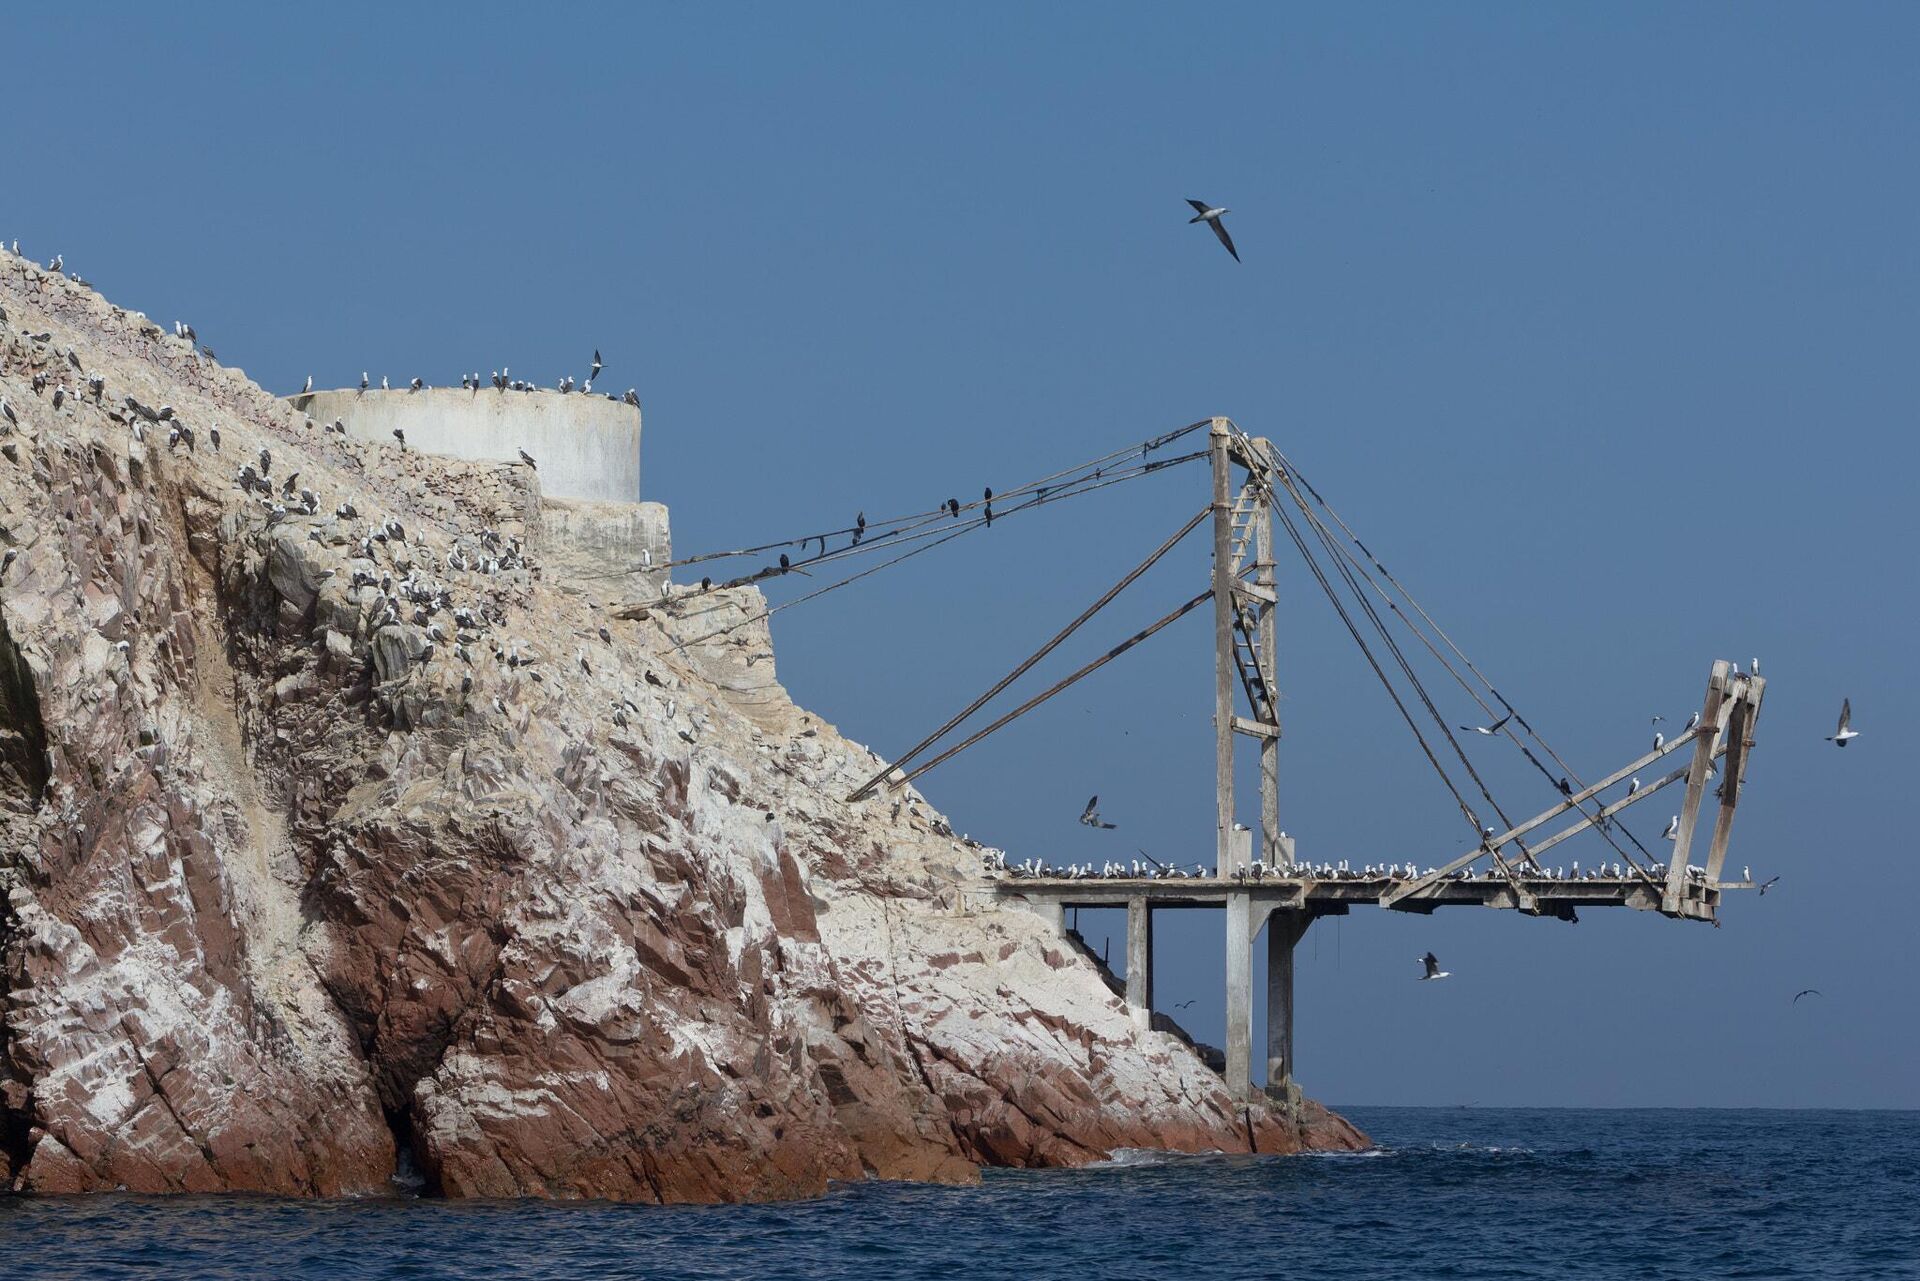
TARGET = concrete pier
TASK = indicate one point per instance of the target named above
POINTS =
(1284, 929)
(1140, 961)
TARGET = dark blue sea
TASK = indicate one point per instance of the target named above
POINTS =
(1448, 1193)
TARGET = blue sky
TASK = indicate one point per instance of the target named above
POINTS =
(1598, 322)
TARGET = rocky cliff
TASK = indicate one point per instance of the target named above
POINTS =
(341, 841)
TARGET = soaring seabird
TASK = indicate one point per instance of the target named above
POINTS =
(1846, 733)
(597, 366)
(1091, 815)
(1433, 970)
(1489, 730)
(1805, 991)
(1767, 884)
(1210, 214)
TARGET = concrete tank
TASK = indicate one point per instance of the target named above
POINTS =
(585, 446)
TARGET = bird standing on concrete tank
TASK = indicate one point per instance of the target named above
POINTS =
(416, 385)
(527, 458)
(632, 398)
(1210, 214)
(309, 386)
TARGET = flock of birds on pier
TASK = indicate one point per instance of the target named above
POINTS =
(1146, 868)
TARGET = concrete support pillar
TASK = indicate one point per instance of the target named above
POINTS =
(1140, 962)
(1239, 1046)
(1051, 911)
(1284, 929)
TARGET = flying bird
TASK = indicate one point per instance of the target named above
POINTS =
(597, 366)
(1489, 730)
(1182, 1005)
(1432, 964)
(1091, 815)
(1766, 885)
(1805, 991)
(1210, 214)
(1845, 733)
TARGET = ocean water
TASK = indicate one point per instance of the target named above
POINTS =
(1448, 1193)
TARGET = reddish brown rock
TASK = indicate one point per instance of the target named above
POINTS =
(287, 908)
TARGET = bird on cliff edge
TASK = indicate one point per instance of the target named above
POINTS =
(1432, 965)
(527, 458)
(1210, 214)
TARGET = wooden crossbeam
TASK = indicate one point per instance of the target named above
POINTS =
(1608, 811)
(1739, 747)
(1706, 741)
(1545, 816)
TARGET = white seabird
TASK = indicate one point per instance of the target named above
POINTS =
(1432, 964)
(1845, 733)
(1673, 829)
(1489, 730)
(1210, 214)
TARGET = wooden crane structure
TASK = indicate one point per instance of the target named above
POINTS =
(1261, 884)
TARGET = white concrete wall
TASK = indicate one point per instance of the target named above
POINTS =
(586, 446)
(603, 550)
